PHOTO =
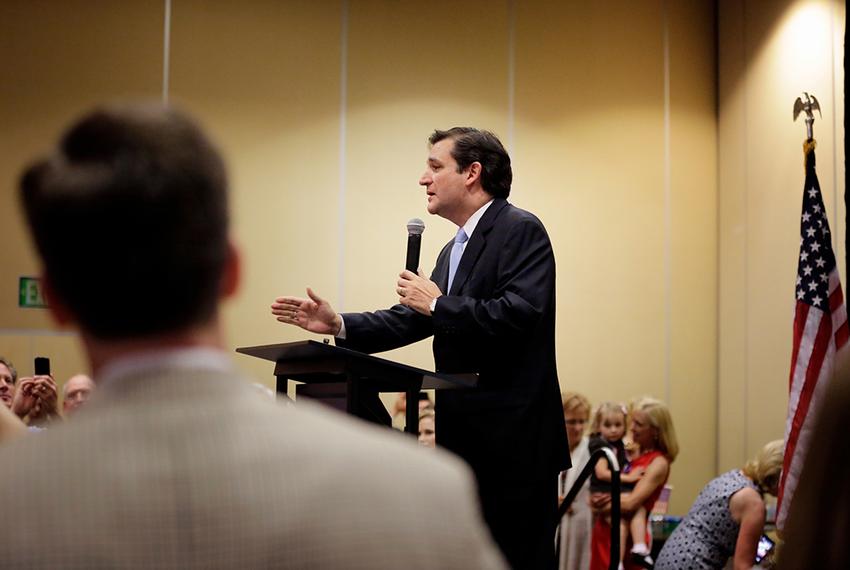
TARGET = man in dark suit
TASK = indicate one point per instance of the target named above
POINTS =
(490, 305)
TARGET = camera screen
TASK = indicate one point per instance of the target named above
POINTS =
(764, 547)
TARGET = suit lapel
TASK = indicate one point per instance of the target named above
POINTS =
(476, 244)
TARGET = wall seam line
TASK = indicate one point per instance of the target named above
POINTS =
(668, 210)
(511, 72)
(746, 383)
(343, 135)
(166, 52)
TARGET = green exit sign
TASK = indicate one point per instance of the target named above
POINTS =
(30, 295)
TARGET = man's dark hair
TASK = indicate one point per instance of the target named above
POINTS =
(472, 145)
(8, 363)
(129, 215)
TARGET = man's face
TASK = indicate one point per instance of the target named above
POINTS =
(444, 185)
(7, 386)
(77, 391)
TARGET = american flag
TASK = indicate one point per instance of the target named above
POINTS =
(820, 329)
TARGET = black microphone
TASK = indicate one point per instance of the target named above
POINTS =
(415, 227)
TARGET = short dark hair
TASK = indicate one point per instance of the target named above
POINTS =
(129, 215)
(8, 364)
(472, 145)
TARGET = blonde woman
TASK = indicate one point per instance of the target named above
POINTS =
(727, 519)
(654, 436)
(575, 526)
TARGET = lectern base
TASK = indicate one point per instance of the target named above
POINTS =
(340, 396)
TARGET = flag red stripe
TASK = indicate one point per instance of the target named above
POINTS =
(835, 300)
(800, 317)
(821, 344)
(842, 335)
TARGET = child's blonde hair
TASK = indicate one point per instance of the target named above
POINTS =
(603, 410)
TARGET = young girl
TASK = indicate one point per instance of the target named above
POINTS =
(607, 430)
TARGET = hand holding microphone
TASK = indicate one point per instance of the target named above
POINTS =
(414, 289)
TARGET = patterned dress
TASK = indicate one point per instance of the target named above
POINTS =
(706, 538)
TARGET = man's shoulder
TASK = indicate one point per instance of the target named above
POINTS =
(510, 216)
(287, 467)
(514, 212)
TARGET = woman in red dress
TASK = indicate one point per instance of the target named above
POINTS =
(653, 433)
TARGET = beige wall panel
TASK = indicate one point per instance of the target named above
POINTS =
(693, 246)
(265, 81)
(835, 118)
(788, 48)
(790, 54)
(63, 349)
(403, 83)
(732, 238)
(589, 139)
(58, 59)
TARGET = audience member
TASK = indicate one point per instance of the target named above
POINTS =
(818, 522)
(36, 400)
(608, 430)
(8, 377)
(176, 463)
(653, 433)
(574, 529)
(727, 518)
(76, 392)
(399, 408)
(427, 433)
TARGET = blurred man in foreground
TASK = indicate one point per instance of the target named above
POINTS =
(178, 462)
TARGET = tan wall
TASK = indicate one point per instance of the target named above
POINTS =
(323, 109)
(770, 52)
(56, 60)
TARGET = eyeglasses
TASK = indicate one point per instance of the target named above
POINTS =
(575, 422)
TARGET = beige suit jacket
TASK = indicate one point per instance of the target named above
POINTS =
(195, 469)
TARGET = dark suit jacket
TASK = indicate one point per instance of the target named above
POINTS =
(498, 320)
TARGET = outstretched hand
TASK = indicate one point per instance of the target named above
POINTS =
(313, 314)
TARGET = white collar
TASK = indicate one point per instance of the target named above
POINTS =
(473, 220)
(203, 358)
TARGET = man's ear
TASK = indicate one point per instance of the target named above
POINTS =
(57, 308)
(232, 275)
(473, 174)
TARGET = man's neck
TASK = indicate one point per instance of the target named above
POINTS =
(101, 352)
(472, 205)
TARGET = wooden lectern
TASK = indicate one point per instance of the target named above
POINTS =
(351, 381)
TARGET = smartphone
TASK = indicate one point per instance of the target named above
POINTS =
(42, 366)
(764, 547)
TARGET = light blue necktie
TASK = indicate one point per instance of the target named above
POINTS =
(457, 253)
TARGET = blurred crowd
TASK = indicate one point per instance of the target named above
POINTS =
(33, 402)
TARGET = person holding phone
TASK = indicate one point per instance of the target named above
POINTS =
(727, 519)
(36, 399)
